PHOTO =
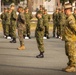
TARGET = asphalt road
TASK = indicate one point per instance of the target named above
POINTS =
(15, 62)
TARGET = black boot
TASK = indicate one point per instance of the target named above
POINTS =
(29, 36)
(48, 37)
(41, 55)
(24, 36)
(13, 41)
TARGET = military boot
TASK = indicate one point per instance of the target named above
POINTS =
(71, 69)
(21, 48)
(48, 37)
(29, 36)
(65, 68)
(13, 41)
(41, 55)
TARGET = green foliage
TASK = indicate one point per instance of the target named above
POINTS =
(63, 1)
(7, 2)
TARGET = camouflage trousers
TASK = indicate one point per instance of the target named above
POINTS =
(21, 29)
(7, 30)
(70, 48)
(56, 30)
(28, 30)
(46, 32)
(39, 39)
(4, 29)
(13, 31)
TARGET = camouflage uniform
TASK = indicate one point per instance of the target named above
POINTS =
(46, 19)
(70, 40)
(74, 14)
(21, 27)
(7, 22)
(3, 22)
(13, 24)
(56, 24)
(39, 35)
(62, 18)
(28, 17)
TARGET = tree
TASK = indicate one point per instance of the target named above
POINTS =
(71, 1)
(63, 1)
(7, 2)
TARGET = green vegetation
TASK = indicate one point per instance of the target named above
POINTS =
(7, 2)
(63, 1)
(33, 26)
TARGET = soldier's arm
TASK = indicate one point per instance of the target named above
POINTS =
(22, 18)
(14, 15)
(72, 24)
(41, 24)
(1, 16)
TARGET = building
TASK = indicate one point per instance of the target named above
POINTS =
(48, 5)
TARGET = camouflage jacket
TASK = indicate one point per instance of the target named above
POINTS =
(74, 15)
(55, 18)
(13, 17)
(21, 19)
(28, 17)
(40, 26)
(46, 19)
(8, 18)
(70, 29)
(3, 17)
(62, 18)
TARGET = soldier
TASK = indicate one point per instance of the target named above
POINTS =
(62, 18)
(7, 22)
(70, 39)
(74, 14)
(3, 21)
(40, 10)
(28, 17)
(56, 22)
(46, 20)
(21, 27)
(13, 23)
(39, 35)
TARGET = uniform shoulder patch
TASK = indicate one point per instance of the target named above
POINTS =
(71, 21)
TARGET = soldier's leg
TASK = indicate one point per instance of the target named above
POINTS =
(4, 32)
(21, 39)
(71, 53)
(47, 31)
(13, 34)
(10, 31)
(54, 30)
(58, 31)
(28, 30)
(40, 45)
(7, 30)
(24, 31)
(44, 31)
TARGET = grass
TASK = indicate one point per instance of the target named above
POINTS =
(33, 26)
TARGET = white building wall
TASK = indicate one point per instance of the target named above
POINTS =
(48, 5)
